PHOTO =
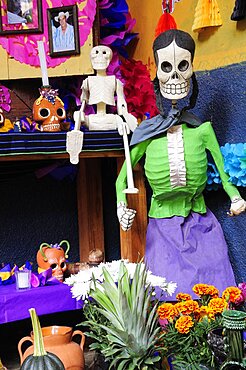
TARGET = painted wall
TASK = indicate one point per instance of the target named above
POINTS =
(215, 47)
(220, 65)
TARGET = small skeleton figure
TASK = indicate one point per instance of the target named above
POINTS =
(184, 240)
(101, 90)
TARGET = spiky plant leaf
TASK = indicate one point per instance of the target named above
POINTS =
(131, 330)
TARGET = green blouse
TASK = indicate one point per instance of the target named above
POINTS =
(167, 201)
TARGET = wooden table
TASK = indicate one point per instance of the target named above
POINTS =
(90, 203)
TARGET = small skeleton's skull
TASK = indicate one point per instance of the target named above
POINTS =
(48, 110)
(101, 57)
(174, 71)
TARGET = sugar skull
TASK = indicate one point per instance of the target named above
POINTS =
(48, 110)
(1, 118)
(101, 57)
(53, 256)
(174, 52)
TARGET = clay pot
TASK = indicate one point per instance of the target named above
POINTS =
(58, 340)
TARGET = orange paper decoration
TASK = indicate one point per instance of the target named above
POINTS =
(207, 14)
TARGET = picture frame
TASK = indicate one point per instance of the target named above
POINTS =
(63, 31)
(20, 17)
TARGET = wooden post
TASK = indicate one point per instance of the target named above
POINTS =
(132, 242)
(90, 207)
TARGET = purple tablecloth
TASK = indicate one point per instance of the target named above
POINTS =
(14, 304)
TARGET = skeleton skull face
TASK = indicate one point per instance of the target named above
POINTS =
(54, 259)
(174, 71)
(48, 110)
(101, 57)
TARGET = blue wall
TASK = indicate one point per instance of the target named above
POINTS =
(222, 100)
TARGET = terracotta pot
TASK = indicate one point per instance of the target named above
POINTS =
(58, 340)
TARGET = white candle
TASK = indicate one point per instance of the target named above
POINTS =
(43, 64)
(23, 279)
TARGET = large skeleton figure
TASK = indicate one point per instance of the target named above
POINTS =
(101, 90)
(184, 240)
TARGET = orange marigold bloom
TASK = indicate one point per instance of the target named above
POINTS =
(205, 289)
(183, 324)
(218, 305)
(231, 294)
(183, 297)
(205, 311)
(187, 307)
(167, 311)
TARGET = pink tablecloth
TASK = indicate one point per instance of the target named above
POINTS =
(14, 304)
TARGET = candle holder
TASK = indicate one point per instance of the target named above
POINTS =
(23, 279)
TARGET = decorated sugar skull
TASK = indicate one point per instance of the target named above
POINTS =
(48, 110)
(174, 52)
(101, 57)
(53, 256)
(1, 118)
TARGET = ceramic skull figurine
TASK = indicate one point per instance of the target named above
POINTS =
(100, 57)
(48, 110)
(54, 257)
(1, 118)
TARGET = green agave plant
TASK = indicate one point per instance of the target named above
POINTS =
(123, 321)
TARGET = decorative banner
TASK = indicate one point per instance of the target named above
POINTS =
(24, 48)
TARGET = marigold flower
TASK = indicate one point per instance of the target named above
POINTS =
(167, 311)
(205, 289)
(187, 307)
(218, 305)
(205, 312)
(183, 297)
(231, 294)
(183, 324)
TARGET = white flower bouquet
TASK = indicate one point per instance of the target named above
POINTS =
(81, 283)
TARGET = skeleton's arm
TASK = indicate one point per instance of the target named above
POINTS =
(238, 205)
(79, 116)
(122, 108)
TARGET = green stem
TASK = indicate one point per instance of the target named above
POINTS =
(39, 349)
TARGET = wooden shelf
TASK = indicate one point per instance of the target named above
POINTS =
(90, 202)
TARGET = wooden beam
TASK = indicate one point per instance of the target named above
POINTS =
(133, 241)
(90, 207)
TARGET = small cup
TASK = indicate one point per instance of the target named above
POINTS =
(23, 279)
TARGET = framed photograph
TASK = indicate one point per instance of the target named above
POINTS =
(20, 16)
(63, 31)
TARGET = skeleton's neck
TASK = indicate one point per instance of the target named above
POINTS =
(101, 72)
(174, 103)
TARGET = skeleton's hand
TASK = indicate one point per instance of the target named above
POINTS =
(125, 216)
(238, 205)
(79, 117)
(121, 126)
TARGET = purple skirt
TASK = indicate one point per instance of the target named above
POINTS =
(189, 250)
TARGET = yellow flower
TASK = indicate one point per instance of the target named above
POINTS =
(183, 297)
(205, 289)
(187, 307)
(183, 324)
(231, 294)
(167, 311)
(205, 312)
(218, 305)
